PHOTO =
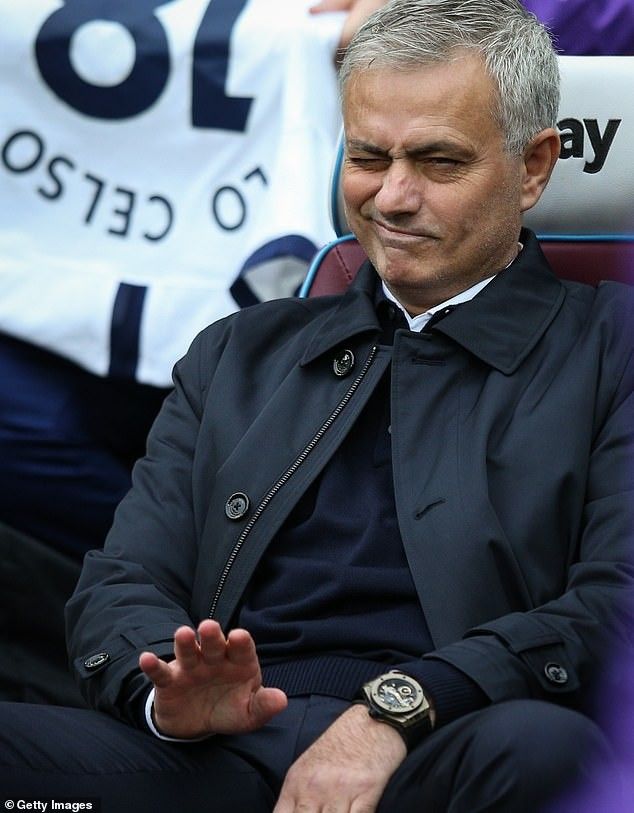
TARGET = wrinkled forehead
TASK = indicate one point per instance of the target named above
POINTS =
(456, 93)
(467, 65)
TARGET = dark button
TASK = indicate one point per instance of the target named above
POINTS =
(556, 673)
(237, 505)
(95, 661)
(343, 363)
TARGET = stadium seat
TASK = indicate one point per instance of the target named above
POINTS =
(585, 219)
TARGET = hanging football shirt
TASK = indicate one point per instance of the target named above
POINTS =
(161, 164)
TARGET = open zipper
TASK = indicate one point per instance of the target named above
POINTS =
(290, 471)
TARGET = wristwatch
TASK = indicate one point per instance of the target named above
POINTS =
(400, 701)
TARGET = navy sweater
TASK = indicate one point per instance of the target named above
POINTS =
(333, 603)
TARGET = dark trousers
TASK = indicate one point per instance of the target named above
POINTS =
(35, 583)
(513, 757)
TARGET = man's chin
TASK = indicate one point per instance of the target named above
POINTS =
(401, 269)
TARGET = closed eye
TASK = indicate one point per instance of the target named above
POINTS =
(441, 159)
(368, 162)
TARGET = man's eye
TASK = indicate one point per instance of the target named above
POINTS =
(370, 163)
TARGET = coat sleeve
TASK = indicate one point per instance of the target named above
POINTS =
(588, 27)
(135, 592)
(556, 651)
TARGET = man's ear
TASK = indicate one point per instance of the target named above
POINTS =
(538, 161)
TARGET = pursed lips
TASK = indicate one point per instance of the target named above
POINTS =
(388, 232)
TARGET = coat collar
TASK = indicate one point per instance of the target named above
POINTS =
(500, 326)
(355, 314)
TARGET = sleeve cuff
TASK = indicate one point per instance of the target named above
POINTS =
(452, 693)
(149, 720)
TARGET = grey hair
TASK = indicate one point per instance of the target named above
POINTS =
(515, 47)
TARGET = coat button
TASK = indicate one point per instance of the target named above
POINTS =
(343, 363)
(556, 673)
(237, 505)
(95, 661)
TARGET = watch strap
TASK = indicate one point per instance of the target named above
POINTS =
(411, 735)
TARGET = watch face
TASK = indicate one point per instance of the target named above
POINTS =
(397, 695)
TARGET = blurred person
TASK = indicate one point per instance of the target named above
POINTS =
(588, 27)
(162, 165)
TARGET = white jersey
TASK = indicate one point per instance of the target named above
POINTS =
(161, 164)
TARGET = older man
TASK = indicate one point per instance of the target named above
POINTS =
(379, 545)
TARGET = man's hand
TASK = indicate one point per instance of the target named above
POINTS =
(213, 685)
(346, 769)
(358, 13)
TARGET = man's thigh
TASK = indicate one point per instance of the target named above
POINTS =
(516, 756)
(53, 752)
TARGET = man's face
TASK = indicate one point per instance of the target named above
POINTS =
(430, 192)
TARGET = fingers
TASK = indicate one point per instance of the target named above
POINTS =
(188, 652)
(206, 645)
(186, 649)
(238, 647)
(156, 669)
(241, 648)
(212, 643)
(359, 13)
(331, 5)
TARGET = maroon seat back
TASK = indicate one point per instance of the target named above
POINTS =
(588, 262)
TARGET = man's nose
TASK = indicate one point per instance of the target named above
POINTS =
(400, 191)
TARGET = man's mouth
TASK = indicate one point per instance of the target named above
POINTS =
(388, 231)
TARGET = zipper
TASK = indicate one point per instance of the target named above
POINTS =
(290, 471)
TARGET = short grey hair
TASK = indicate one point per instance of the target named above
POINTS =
(515, 47)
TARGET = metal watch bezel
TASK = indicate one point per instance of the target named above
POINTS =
(419, 709)
(412, 724)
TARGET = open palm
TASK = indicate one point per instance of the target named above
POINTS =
(213, 685)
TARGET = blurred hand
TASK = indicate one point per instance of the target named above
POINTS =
(213, 685)
(358, 13)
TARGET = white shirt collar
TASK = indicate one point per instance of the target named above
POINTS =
(417, 323)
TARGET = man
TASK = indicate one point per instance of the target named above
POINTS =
(427, 475)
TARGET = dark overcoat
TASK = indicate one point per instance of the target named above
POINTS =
(512, 437)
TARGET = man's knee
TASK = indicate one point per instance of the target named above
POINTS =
(537, 734)
(514, 756)
(528, 752)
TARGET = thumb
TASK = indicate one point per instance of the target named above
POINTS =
(265, 704)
